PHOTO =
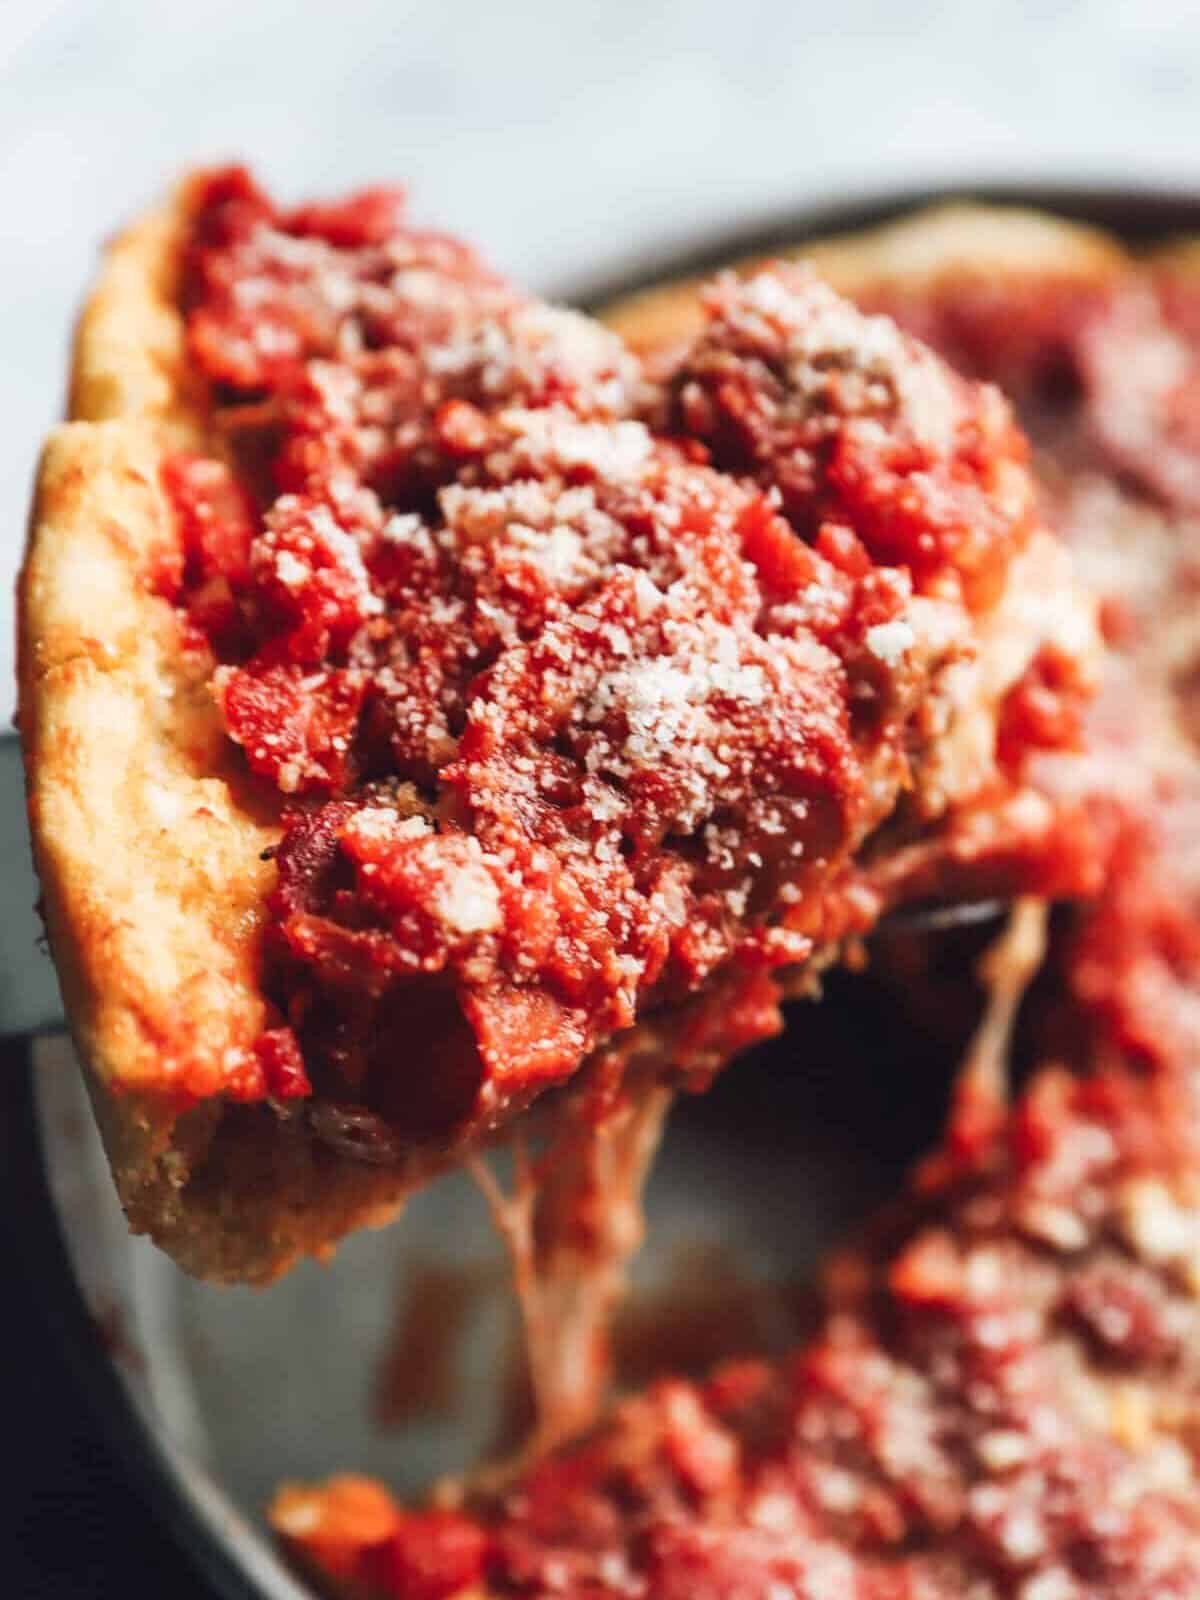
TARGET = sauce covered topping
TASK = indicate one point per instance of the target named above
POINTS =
(575, 692)
(848, 417)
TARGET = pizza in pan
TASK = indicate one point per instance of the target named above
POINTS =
(440, 719)
(1002, 1392)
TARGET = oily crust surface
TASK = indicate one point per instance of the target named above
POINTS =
(148, 839)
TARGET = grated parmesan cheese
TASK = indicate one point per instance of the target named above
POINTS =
(555, 440)
(890, 642)
(837, 355)
(290, 570)
(469, 901)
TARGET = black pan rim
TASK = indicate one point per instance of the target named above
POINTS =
(1138, 213)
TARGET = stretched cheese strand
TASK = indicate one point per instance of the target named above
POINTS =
(571, 1223)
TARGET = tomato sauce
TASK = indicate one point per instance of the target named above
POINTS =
(575, 693)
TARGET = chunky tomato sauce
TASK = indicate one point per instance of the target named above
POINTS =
(1001, 1401)
(577, 691)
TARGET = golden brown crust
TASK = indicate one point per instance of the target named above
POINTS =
(128, 356)
(148, 842)
(1178, 256)
(940, 243)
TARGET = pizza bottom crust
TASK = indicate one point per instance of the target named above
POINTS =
(239, 1195)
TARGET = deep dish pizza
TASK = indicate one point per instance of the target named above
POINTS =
(435, 715)
(1002, 1395)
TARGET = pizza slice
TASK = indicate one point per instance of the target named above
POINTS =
(434, 717)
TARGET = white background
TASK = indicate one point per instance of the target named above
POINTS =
(566, 139)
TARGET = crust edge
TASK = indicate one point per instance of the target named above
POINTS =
(939, 242)
(146, 838)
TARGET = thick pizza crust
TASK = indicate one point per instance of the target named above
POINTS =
(147, 839)
(936, 245)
